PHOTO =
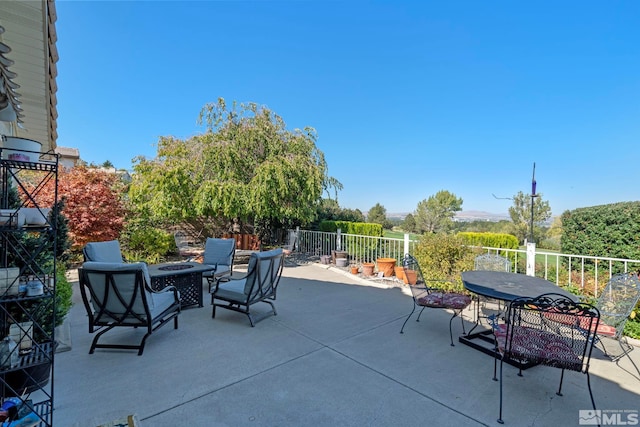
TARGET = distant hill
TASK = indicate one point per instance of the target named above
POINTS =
(463, 216)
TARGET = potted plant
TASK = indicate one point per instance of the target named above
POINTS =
(410, 277)
(354, 269)
(386, 265)
(40, 311)
(367, 268)
(35, 377)
(399, 271)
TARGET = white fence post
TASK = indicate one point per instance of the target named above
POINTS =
(531, 258)
(406, 244)
(339, 239)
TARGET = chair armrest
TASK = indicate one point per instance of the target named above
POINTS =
(169, 288)
(217, 280)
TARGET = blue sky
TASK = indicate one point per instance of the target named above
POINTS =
(408, 97)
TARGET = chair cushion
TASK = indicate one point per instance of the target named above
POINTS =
(160, 301)
(121, 266)
(263, 261)
(583, 322)
(536, 345)
(218, 251)
(445, 300)
(602, 328)
(103, 251)
(232, 290)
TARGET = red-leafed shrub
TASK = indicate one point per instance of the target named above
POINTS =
(93, 203)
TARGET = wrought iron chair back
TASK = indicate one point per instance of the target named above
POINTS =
(550, 330)
(488, 262)
(431, 294)
(492, 262)
(616, 303)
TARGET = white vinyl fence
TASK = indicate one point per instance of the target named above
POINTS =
(587, 273)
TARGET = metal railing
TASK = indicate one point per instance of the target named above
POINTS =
(588, 273)
(360, 248)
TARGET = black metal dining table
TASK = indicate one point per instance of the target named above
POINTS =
(506, 287)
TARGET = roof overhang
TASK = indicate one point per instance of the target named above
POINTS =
(29, 69)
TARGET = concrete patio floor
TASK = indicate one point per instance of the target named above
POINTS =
(333, 356)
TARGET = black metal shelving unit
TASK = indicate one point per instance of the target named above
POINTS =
(31, 308)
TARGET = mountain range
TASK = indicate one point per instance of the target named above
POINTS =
(463, 216)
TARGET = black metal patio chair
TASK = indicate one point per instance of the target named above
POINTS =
(218, 253)
(616, 303)
(429, 294)
(489, 262)
(259, 284)
(119, 295)
(550, 330)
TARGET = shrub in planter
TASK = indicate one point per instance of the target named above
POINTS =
(44, 313)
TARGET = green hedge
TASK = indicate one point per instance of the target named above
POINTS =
(347, 227)
(493, 240)
(607, 230)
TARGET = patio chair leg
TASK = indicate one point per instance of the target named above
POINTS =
(94, 343)
(500, 415)
(450, 328)
(408, 317)
(142, 343)
(624, 346)
(420, 314)
(251, 319)
(559, 392)
(593, 402)
(477, 320)
(495, 364)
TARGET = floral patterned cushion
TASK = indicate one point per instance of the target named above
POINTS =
(536, 345)
(584, 323)
(602, 329)
(445, 300)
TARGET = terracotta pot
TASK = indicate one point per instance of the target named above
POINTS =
(399, 272)
(386, 265)
(367, 268)
(410, 277)
(354, 270)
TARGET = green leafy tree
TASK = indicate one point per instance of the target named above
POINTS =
(246, 166)
(520, 214)
(555, 231)
(435, 214)
(328, 210)
(409, 224)
(353, 215)
(378, 215)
